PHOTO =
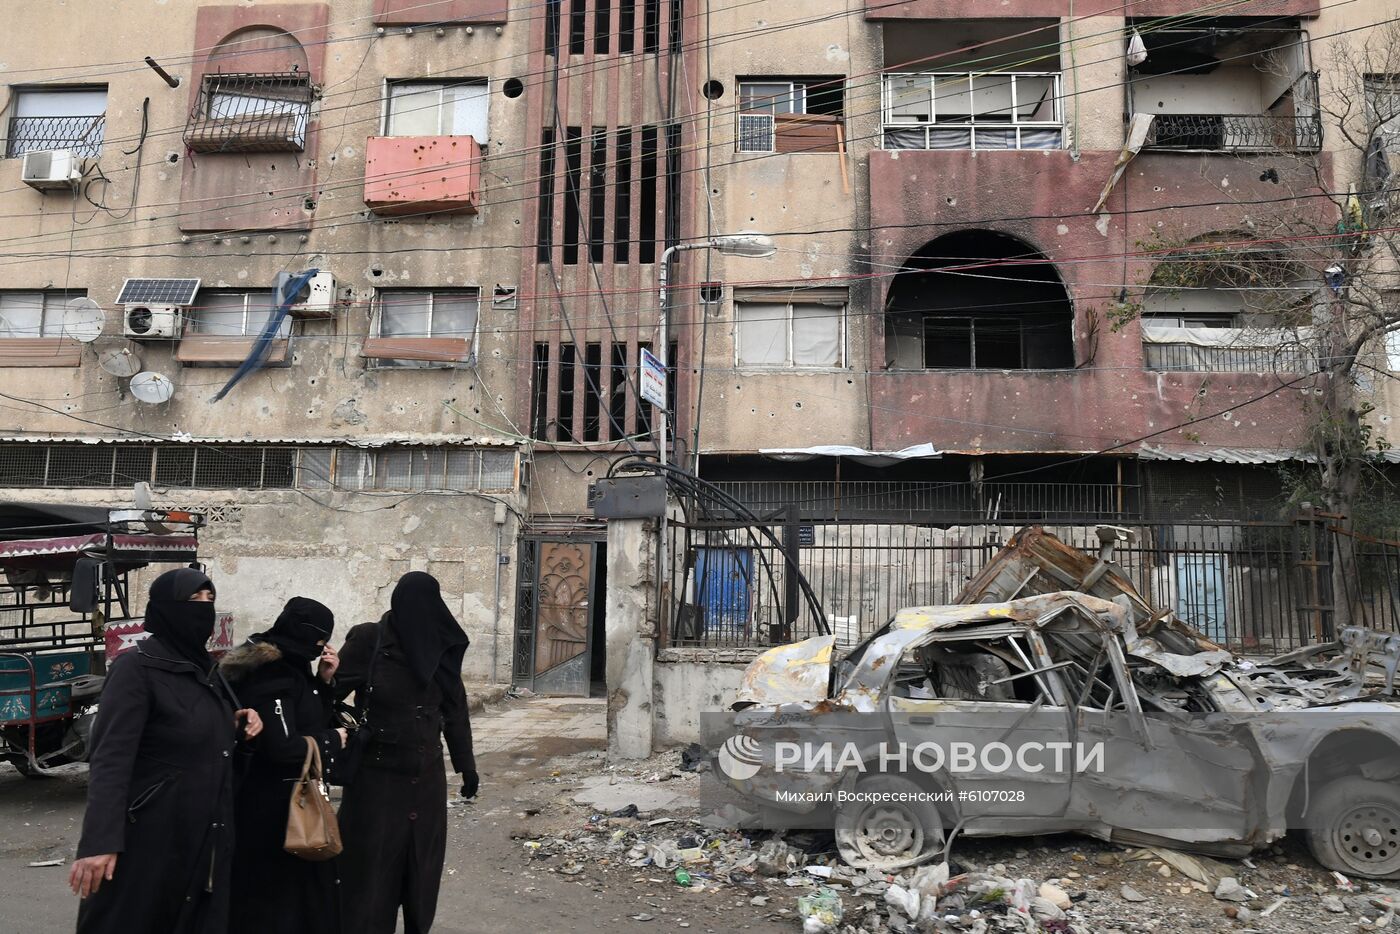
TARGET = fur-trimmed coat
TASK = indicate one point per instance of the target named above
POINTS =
(276, 892)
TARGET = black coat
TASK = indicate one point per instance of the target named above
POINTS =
(393, 818)
(275, 892)
(160, 795)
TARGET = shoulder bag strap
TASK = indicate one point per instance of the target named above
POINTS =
(311, 766)
(369, 672)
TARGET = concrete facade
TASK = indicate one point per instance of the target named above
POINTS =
(610, 132)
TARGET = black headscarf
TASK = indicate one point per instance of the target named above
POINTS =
(425, 628)
(301, 630)
(183, 625)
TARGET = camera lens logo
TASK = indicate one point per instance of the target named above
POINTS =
(740, 757)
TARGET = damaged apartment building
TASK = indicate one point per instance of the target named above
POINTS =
(491, 193)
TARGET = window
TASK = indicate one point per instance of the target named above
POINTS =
(33, 314)
(423, 328)
(407, 468)
(973, 343)
(1190, 320)
(58, 118)
(251, 113)
(1383, 106)
(961, 110)
(786, 329)
(790, 114)
(422, 108)
(235, 314)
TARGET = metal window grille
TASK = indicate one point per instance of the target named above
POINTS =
(251, 113)
(972, 110)
(81, 136)
(254, 467)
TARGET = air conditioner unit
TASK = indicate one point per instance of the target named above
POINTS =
(319, 301)
(151, 322)
(47, 169)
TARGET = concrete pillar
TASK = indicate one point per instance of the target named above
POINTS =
(631, 635)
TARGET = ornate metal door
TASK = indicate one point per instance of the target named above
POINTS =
(553, 610)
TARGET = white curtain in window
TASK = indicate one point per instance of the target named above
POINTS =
(816, 335)
(22, 315)
(65, 103)
(414, 110)
(405, 314)
(454, 315)
(762, 333)
(464, 111)
(220, 315)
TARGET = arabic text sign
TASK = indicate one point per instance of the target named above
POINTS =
(653, 376)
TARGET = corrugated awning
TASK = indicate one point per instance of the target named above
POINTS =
(356, 442)
(1224, 455)
(859, 455)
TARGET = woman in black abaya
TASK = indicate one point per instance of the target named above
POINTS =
(279, 893)
(407, 668)
(157, 834)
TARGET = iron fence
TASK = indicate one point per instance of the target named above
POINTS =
(952, 501)
(1257, 587)
(80, 135)
(1236, 132)
(1200, 359)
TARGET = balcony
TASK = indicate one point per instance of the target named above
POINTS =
(251, 113)
(1226, 87)
(972, 110)
(422, 175)
(1225, 350)
(81, 136)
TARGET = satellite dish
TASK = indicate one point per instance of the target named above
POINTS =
(82, 320)
(152, 387)
(124, 362)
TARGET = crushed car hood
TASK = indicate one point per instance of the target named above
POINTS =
(788, 674)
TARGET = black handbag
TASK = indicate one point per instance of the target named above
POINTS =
(354, 718)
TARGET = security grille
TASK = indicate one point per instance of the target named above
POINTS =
(256, 467)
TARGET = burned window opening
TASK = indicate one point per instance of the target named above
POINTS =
(544, 238)
(539, 389)
(622, 194)
(651, 26)
(564, 420)
(573, 172)
(597, 194)
(951, 309)
(992, 670)
(551, 26)
(592, 391)
(577, 15)
(673, 184)
(602, 27)
(626, 25)
(646, 247)
(617, 393)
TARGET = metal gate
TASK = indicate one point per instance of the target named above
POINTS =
(554, 602)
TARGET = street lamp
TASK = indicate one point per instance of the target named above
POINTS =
(753, 245)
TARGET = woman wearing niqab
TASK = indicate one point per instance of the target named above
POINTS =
(406, 673)
(154, 856)
(274, 891)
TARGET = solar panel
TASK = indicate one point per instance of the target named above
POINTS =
(158, 292)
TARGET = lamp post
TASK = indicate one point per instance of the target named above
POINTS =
(754, 245)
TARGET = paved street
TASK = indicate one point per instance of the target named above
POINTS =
(490, 885)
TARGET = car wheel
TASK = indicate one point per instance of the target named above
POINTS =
(1356, 828)
(887, 834)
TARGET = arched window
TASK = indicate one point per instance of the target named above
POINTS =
(980, 300)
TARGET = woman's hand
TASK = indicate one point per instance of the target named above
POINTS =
(471, 783)
(330, 661)
(250, 721)
(89, 872)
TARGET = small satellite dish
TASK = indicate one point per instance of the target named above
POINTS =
(124, 362)
(152, 387)
(82, 320)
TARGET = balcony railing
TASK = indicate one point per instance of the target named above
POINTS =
(1198, 359)
(79, 135)
(1236, 133)
(972, 110)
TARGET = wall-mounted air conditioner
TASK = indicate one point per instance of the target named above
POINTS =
(151, 322)
(319, 300)
(48, 169)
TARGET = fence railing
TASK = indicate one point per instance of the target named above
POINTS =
(1236, 132)
(1201, 359)
(961, 501)
(1258, 587)
(80, 135)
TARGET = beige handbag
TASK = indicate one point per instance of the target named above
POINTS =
(312, 831)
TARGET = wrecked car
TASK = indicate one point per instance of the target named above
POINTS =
(1053, 698)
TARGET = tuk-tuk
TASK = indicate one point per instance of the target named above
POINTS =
(65, 613)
